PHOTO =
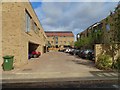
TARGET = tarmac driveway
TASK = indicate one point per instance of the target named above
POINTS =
(58, 62)
(58, 65)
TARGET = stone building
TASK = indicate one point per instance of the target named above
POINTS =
(22, 32)
(60, 39)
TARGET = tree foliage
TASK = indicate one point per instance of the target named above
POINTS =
(115, 40)
(88, 42)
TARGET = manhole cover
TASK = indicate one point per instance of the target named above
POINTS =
(26, 69)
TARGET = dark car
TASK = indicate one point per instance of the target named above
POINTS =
(89, 54)
(75, 52)
(80, 53)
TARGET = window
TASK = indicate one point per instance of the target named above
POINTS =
(56, 39)
(37, 30)
(27, 22)
(35, 27)
(107, 27)
(56, 42)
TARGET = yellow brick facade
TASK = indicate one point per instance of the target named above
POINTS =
(59, 40)
(15, 39)
(62, 41)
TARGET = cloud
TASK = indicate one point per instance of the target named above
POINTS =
(74, 0)
(73, 16)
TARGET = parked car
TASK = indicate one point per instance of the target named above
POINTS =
(91, 55)
(75, 52)
(71, 50)
(34, 54)
(88, 53)
(67, 50)
(80, 53)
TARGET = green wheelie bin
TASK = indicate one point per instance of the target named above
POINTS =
(8, 63)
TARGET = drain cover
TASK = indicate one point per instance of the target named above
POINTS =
(26, 69)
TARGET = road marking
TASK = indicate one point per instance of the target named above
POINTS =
(114, 74)
(100, 75)
(116, 86)
(107, 74)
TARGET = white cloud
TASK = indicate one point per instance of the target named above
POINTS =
(71, 16)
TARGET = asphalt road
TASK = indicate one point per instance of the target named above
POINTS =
(112, 84)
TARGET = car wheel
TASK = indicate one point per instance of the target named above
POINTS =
(35, 56)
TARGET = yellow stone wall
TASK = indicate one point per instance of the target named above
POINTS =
(106, 49)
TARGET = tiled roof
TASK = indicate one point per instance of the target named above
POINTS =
(59, 33)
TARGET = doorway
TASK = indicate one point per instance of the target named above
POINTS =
(32, 47)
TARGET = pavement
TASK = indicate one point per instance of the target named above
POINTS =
(57, 66)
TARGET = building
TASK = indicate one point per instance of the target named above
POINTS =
(22, 32)
(103, 33)
(60, 39)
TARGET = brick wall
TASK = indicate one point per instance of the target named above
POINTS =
(15, 39)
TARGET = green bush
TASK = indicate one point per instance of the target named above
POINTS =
(104, 62)
(117, 63)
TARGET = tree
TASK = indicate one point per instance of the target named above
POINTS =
(85, 42)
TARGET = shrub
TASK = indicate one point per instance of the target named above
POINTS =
(117, 63)
(104, 62)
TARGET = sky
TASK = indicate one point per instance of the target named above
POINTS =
(71, 16)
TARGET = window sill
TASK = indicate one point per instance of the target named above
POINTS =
(28, 33)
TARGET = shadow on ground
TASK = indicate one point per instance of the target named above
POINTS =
(87, 63)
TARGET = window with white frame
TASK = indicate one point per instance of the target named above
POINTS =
(27, 22)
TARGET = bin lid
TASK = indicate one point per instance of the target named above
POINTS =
(8, 56)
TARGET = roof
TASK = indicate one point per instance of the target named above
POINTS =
(59, 33)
